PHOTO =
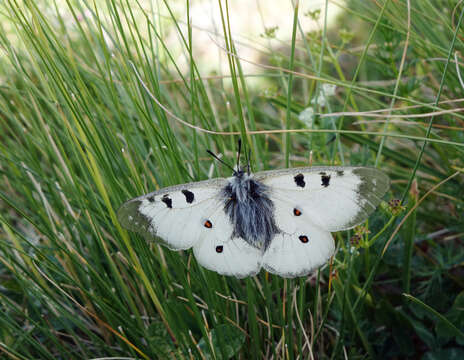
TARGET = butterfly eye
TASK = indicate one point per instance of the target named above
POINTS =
(296, 212)
(219, 249)
(303, 238)
(208, 224)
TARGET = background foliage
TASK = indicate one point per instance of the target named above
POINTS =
(91, 103)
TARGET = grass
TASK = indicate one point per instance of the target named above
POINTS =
(94, 110)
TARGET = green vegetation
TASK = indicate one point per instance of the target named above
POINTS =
(83, 126)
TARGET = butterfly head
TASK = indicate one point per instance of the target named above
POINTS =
(242, 186)
(241, 173)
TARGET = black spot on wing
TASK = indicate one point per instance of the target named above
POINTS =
(219, 249)
(299, 180)
(304, 239)
(189, 196)
(167, 200)
(151, 198)
(325, 180)
(340, 173)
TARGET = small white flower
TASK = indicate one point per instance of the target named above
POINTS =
(354, 251)
(307, 116)
(327, 90)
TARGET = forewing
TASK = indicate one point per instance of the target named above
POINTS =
(174, 215)
(300, 247)
(333, 198)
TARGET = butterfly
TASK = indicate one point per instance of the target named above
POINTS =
(279, 220)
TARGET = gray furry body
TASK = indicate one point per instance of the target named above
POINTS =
(250, 210)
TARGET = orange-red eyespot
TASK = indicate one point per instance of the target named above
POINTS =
(303, 238)
(219, 249)
(296, 212)
(208, 224)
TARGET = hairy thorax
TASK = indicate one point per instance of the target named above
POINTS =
(250, 210)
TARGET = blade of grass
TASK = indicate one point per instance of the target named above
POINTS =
(436, 314)
(288, 121)
(437, 100)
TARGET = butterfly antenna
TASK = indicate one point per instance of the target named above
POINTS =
(238, 154)
(218, 159)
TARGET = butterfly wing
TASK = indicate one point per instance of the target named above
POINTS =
(309, 204)
(299, 248)
(192, 215)
(174, 216)
(333, 198)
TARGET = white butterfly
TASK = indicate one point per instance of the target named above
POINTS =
(277, 220)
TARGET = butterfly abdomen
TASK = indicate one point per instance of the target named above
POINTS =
(250, 210)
